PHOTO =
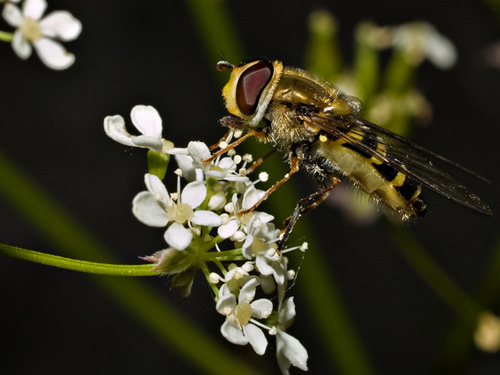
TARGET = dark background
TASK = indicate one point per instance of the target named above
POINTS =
(150, 52)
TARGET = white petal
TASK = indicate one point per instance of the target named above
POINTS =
(227, 230)
(263, 267)
(61, 25)
(185, 163)
(226, 303)
(290, 351)
(217, 201)
(227, 163)
(178, 237)
(233, 333)
(251, 196)
(114, 126)
(21, 46)
(247, 292)
(53, 54)
(206, 218)
(261, 308)
(147, 120)
(256, 338)
(278, 272)
(267, 284)
(157, 188)
(287, 312)
(12, 14)
(154, 144)
(194, 193)
(199, 151)
(34, 8)
(246, 249)
(440, 50)
(147, 210)
(263, 216)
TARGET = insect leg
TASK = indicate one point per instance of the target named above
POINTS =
(234, 123)
(304, 205)
(294, 168)
(223, 139)
(260, 160)
(228, 147)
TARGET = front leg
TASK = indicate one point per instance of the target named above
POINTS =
(294, 168)
(234, 123)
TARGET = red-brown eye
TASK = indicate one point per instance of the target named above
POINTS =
(251, 84)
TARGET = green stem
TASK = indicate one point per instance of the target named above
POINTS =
(206, 272)
(222, 255)
(77, 265)
(458, 346)
(435, 277)
(6, 37)
(221, 267)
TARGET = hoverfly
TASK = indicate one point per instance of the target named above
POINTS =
(318, 128)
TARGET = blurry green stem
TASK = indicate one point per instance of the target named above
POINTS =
(458, 346)
(6, 37)
(77, 265)
(465, 307)
(400, 74)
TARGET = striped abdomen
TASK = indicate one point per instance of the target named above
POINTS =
(399, 192)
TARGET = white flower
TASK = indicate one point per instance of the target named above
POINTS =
(154, 207)
(147, 120)
(238, 327)
(420, 40)
(289, 350)
(191, 159)
(260, 244)
(33, 31)
(250, 196)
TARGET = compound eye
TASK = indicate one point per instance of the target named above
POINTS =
(251, 84)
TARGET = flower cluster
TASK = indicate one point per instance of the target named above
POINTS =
(200, 219)
(31, 30)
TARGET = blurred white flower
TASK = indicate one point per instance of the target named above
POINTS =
(421, 40)
(32, 30)
(487, 333)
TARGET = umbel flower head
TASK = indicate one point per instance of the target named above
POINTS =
(32, 30)
(200, 217)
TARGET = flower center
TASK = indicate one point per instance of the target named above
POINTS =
(180, 213)
(31, 29)
(258, 246)
(243, 312)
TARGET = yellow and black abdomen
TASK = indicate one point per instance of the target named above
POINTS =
(387, 185)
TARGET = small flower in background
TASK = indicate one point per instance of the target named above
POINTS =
(421, 40)
(487, 334)
(32, 30)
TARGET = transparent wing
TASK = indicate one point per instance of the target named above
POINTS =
(400, 154)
